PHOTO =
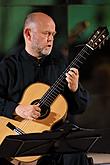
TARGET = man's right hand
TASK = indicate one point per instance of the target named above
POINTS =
(31, 112)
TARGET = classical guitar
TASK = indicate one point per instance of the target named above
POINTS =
(53, 105)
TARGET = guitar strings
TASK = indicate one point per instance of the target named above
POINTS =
(59, 81)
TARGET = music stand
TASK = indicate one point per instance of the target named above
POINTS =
(48, 142)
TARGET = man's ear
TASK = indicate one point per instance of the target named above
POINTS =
(27, 33)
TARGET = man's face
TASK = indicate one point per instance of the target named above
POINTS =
(42, 38)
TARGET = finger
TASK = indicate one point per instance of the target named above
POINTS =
(74, 70)
(71, 73)
(37, 108)
(35, 115)
(32, 117)
(70, 76)
(69, 80)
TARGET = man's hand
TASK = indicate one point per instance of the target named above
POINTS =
(31, 112)
(72, 78)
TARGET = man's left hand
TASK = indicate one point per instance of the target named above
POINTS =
(72, 78)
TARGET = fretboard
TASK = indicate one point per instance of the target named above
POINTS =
(59, 85)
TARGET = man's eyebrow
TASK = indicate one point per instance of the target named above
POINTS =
(54, 33)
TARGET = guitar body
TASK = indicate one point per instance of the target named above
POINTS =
(58, 111)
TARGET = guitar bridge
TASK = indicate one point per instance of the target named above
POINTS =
(17, 130)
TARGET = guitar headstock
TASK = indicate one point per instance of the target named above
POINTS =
(98, 38)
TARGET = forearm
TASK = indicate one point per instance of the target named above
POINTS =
(7, 107)
(77, 101)
(81, 98)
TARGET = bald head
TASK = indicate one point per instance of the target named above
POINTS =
(39, 31)
(37, 18)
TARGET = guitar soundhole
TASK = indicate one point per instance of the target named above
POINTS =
(44, 110)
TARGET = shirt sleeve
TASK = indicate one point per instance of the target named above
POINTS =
(7, 106)
(77, 101)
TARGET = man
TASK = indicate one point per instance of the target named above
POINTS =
(34, 64)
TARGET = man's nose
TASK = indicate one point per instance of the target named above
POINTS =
(50, 37)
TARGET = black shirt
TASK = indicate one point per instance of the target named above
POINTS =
(20, 70)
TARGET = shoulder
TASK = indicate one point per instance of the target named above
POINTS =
(58, 58)
(13, 56)
(11, 61)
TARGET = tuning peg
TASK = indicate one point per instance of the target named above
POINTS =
(97, 32)
(103, 42)
(99, 46)
(99, 40)
(107, 37)
(96, 43)
(103, 36)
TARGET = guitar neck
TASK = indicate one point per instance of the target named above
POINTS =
(95, 41)
(58, 86)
